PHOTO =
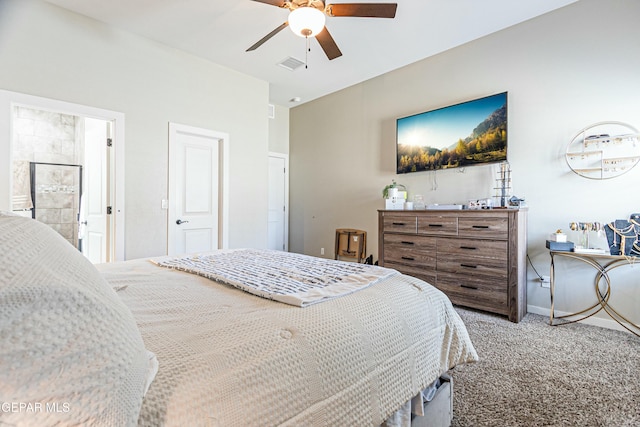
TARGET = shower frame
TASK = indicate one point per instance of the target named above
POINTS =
(32, 173)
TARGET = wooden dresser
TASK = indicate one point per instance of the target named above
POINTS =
(476, 257)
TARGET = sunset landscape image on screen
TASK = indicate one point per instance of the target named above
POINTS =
(470, 133)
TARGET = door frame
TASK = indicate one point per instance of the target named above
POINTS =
(223, 186)
(285, 157)
(9, 100)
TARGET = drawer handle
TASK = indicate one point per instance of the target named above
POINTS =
(404, 242)
(468, 266)
(399, 223)
(408, 258)
(435, 225)
(471, 248)
(479, 226)
(469, 287)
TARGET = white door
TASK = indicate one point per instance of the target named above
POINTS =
(278, 209)
(196, 176)
(93, 211)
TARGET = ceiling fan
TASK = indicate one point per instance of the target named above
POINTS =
(307, 18)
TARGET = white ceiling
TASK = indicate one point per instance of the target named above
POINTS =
(221, 31)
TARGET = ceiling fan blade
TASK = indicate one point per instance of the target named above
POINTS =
(365, 10)
(267, 37)
(328, 44)
(279, 3)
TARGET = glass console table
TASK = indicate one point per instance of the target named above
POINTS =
(603, 264)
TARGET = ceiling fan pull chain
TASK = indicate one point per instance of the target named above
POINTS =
(306, 53)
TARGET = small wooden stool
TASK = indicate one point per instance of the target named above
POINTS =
(351, 243)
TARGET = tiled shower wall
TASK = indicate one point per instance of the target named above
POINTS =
(48, 137)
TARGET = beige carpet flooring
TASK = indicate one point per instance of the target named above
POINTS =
(532, 374)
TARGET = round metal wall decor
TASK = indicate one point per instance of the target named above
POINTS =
(604, 150)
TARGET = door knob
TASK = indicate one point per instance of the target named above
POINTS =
(181, 222)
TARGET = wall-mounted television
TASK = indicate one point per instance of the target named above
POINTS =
(465, 134)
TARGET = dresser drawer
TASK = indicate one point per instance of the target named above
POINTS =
(473, 249)
(481, 227)
(491, 269)
(410, 250)
(438, 225)
(420, 272)
(421, 243)
(400, 223)
(475, 291)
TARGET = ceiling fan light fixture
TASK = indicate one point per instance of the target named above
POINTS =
(306, 21)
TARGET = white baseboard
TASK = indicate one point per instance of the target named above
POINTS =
(593, 320)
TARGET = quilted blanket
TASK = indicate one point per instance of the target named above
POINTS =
(229, 358)
(287, 277)
(71, 353)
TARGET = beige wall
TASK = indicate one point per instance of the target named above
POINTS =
(49, 52)
(563, 71)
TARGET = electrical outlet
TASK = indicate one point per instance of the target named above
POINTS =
(545, 281)
(321, 251)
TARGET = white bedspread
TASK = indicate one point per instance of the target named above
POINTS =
(71, 353)
(228, 358)
(295, 279)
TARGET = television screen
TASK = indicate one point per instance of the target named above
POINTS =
(465, 134)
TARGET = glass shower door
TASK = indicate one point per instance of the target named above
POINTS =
(55, 191)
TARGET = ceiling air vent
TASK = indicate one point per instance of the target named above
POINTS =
(291, 63)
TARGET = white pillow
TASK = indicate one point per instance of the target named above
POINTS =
(70, 350)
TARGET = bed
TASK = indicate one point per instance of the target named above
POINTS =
(137, 343)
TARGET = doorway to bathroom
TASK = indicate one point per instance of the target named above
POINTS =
(64, 167)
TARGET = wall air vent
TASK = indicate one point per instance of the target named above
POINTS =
(291, 63)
